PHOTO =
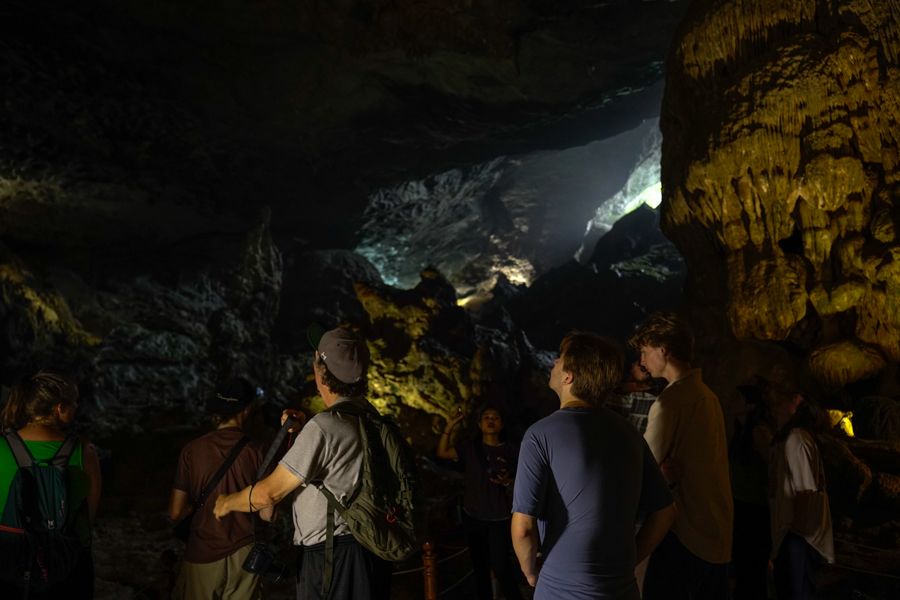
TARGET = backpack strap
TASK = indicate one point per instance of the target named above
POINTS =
(20, 451)
(328, 567)
(24, 458)
(361, 412)
(60, 460)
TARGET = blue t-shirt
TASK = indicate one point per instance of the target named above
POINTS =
(587, 476)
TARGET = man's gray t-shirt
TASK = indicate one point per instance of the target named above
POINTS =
(327, 452)
(587, 476)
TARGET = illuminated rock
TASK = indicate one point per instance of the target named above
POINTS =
(419, 342)
(430, 359)
(845, 362)
(39, 323)
(780, 167)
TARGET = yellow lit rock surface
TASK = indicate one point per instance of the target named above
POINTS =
(408, 368)
(44, 313)
(781, 123)
(844, 362)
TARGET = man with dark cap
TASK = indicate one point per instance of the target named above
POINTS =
(328, 453)
(217, 549)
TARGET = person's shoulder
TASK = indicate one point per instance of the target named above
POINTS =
(546, 426)
(619, 426)
(330, 424)
(200, 441)
(613, 418)
(799, 437)
(320, 421)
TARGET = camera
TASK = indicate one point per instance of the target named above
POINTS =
(263, 561)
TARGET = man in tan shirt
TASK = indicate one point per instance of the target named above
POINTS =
(686, 433)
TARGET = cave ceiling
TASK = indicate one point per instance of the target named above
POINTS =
(135, 123)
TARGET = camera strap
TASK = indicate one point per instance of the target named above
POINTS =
(274, 447)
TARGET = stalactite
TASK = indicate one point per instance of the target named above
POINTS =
(789, 152)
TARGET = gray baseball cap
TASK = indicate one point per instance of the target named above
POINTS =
(345, 354)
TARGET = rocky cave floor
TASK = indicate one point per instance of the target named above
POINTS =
(136, 557)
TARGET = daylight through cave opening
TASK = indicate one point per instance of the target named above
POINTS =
(512, 216)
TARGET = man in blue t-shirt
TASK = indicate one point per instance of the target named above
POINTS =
(584, 480)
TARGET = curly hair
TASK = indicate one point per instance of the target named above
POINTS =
(357, 389)
(596, 364)
(665, 330)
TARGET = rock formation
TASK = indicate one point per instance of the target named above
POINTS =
(781, 171)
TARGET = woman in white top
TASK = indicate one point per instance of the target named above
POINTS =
(801, 518)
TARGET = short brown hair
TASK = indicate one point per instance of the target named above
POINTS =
(596, 364)
(665, 330)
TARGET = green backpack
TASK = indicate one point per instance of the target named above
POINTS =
(384, 512)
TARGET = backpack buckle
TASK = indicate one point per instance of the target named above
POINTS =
(391, 515)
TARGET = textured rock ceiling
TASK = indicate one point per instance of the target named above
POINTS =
(135, 121)
(781, 172)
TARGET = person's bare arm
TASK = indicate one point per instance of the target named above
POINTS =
(445, 449)
(526, 543)
(179, 505)
(654, 529)
(91, 464)
(266, 494)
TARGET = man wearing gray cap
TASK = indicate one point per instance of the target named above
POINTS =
(328, 453)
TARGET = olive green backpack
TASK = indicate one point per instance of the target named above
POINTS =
(384, 512)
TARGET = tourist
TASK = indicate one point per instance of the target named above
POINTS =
(686, 433)
(489, 463)
(585, 479)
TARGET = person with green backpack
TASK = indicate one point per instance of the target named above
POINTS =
(49, 491)
(357, 508)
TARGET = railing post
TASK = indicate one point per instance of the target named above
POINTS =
(429, 571)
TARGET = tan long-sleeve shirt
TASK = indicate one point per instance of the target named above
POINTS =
(686, 423)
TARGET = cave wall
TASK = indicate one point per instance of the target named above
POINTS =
(781, 171)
